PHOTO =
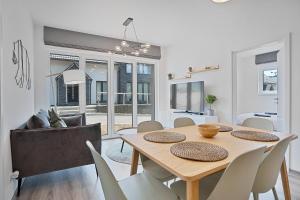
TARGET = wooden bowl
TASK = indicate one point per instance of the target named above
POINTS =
(208, 130)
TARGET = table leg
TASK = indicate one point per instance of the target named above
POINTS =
(285, 181)
(134, 162)
(192, 190)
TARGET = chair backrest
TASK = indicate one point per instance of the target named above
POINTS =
(237, 181)
(269, 169)
(110, 185)
(147, 126)
(260, 123)
(183, 121)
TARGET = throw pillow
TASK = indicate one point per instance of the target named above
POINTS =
(53, 116)
(35, 122)
(44, 119)
(59, 124)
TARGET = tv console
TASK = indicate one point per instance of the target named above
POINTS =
(197, 117)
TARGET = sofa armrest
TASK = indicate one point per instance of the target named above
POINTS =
(39, 151)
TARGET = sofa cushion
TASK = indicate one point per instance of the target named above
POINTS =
(36, 122)
(75, 120)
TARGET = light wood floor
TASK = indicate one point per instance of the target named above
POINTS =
(82, 183)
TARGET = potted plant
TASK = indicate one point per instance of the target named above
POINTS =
(210, 99)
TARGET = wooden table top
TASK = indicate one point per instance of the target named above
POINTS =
(189, 170)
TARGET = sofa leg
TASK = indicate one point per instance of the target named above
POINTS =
(19, 186)
(96, 170)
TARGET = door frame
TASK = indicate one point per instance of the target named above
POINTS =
(2, 182)
(111, 58)
(284, 81)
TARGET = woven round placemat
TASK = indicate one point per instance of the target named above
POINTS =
(200, 151)
(255, 135)
(225, 128)
(164, 137)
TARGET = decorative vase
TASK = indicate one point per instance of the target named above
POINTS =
(210, 112)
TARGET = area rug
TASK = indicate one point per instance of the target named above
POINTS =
(115, 154)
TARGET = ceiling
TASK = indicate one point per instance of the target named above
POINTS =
(162, 22)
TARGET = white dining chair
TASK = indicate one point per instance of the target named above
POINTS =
(269, 169)
(139, 186)
(235, 183)
(150, 166)
(260, 123)
(183, 121)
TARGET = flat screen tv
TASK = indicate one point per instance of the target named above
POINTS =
(188, 96)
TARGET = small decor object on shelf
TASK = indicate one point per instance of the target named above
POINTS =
(171, 76)
(210, 99)
(20, 57)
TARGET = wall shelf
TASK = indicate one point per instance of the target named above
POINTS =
(192, 70)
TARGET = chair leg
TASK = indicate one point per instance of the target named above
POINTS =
(255, 196)
(275, 193)
(19, 186)
(96, 170)
(122, 146)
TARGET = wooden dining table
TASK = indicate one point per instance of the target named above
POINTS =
(193, 171)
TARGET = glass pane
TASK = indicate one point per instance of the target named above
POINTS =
(66, 97)
(270, 80)
(96, 93)
(145, 92)
(122, 87)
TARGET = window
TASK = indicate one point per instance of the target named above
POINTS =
(128, 98)
(128, 68)
(101, 90)
(143, 90)
(72, 94)
(143, 69)
(60, 94)
(268, 81)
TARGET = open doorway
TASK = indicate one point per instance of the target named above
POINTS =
(261, 84)
(257, 84)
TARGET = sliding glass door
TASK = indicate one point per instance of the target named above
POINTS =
(122, 95)
(118, 92)
(96, 93)
(145, 92)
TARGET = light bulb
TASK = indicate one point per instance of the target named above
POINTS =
(118, 48)
(124, 44)
(136, 53)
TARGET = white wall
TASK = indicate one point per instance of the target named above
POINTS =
(17, 103)
(248, 98)
(235, 26)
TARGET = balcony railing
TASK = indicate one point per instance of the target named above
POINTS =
(123, 98)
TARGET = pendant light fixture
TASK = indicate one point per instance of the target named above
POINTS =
(126, 46)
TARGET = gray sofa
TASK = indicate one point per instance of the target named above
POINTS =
(42, 150)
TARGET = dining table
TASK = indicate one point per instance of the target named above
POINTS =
(193, 171)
